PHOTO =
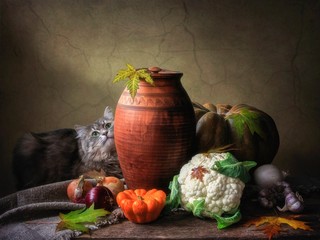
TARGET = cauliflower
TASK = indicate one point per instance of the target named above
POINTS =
(199, 181)
(209, 185)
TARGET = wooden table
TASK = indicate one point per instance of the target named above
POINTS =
(181, 225)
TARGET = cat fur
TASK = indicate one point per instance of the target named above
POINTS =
(62, 154)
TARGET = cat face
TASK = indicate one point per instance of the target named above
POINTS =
(97, 140)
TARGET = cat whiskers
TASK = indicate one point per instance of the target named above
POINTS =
(99, 151)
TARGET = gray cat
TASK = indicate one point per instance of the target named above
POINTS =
(41, 158)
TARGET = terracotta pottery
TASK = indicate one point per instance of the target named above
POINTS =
(155, 131)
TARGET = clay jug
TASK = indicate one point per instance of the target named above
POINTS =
(155, 131)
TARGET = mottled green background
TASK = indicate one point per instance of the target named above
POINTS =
(58, 59)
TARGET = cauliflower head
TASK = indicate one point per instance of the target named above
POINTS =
(199, 181)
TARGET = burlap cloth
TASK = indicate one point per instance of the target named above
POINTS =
(33, 213)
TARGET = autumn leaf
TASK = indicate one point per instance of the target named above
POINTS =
(198, 173)
(124, 73)
(77, 219)
(132, 77)
(271, 225)
(246, 117)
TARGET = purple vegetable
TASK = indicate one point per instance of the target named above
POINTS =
(267, 175)
(101, 197)
(274, 189)
(293, 202)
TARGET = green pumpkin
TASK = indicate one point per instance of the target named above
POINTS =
(249, 133)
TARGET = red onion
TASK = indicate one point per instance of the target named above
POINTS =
(101, 197)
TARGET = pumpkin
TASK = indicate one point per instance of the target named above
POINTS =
(140, 205)
(249, 133)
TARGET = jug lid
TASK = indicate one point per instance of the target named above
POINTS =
(157, 72)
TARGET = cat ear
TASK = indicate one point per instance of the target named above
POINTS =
(79, 129)
(108, 113)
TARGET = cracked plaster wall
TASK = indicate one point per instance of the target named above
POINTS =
(58, 59)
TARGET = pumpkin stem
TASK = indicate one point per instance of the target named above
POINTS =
(140, 198)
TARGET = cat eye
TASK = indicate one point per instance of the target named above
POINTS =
(107, 125)
(95, 134)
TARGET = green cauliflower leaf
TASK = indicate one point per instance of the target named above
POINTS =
(231, 167)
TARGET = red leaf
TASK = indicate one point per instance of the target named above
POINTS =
(272, 225)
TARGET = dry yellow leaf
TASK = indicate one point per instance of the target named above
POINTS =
(272, 225)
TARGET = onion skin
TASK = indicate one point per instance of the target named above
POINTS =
(114, 184)
(77, 190)
(101, 197)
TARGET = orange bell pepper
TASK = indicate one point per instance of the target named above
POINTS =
(140, 205)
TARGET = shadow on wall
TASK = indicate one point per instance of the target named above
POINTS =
(42, 90)
(58, 59)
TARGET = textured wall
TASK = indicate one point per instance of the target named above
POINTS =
(58, 59)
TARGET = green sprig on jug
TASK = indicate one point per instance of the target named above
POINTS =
(133, 76)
